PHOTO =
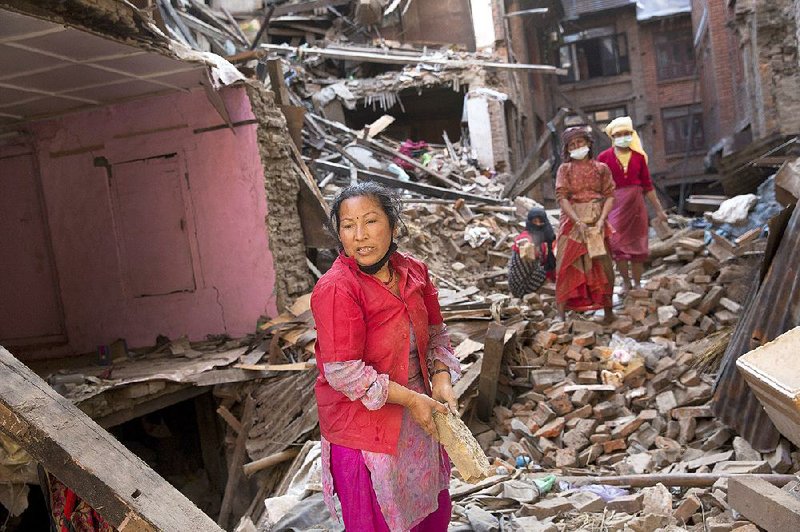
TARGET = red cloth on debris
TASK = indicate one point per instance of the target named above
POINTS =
(412, 149)
(70, 512)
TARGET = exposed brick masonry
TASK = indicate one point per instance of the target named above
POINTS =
(281, 183)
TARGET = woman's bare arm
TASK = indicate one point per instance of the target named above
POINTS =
(652, 197)
(420, 406)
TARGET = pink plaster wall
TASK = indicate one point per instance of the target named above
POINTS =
(225, 219)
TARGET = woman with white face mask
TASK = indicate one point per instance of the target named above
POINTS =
(585, 191)
(628, 163)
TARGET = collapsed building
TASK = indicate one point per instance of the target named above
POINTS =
(166, 197)
(150, 191)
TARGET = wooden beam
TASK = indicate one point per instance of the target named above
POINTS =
(494, 347)
(166, 8)
(302, 7)
(264, 27)
(535, 11)
(68, 444)
(211, 441)
(269, 461)
(393, 182)
(532, 180)
(227, 376)
(230, 419)
(682, 480)
(237, 460)
(393, 59)
(533, 157)
(765, 505)
(277, 82)
(296, 366)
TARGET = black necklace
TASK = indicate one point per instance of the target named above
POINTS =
(389, 281)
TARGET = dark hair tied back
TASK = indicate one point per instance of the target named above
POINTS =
(387, 199)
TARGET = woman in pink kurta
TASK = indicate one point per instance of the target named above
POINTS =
(628, 163)
(386, 364)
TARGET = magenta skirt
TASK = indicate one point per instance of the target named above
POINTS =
(631, 225)
(360, 509)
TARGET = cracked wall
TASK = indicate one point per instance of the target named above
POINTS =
(281, 182)
(154, 211)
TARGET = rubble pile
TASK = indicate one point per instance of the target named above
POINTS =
(624, 400)
(461, 245)
(677, 309)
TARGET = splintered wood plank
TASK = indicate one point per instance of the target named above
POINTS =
(296, 366)
(114, 481)
(237, 460)
(490, 370)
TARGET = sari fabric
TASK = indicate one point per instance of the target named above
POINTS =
(582, 283)
(629, 215)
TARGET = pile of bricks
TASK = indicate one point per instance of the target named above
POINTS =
(596, 405)
(678, 309)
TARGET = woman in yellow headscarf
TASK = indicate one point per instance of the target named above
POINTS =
(628, 163)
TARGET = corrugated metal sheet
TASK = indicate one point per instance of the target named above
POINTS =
(773, 308)
(652, 9)
(577, 8)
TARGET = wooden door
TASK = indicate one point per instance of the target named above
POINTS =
(152, 226)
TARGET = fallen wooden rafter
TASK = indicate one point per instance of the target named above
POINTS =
(391, 59)
(683, 480)
(495, 347)
(393, 182)
(378, 147)
(68, 444)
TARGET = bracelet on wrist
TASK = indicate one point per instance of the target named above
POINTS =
(440, 370)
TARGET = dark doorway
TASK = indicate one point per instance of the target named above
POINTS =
(422, 116)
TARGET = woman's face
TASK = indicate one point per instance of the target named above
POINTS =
(364, 229)
(622, 133)
(578, 142)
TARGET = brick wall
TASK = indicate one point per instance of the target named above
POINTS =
(625, 89)
(661, 94)
(281, 183)
(767, 30)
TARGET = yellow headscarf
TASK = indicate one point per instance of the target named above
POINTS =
(624, 123)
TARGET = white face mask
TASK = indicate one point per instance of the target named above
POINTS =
(623, 142)
(579, 153)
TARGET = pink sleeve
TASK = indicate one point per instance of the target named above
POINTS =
(358, 381)
(439, 348)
